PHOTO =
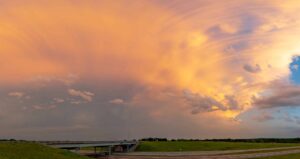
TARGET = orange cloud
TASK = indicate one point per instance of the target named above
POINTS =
(203, 51)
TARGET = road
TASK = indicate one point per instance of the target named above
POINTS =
(239, 154)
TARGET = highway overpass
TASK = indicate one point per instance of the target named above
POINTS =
(112, 146)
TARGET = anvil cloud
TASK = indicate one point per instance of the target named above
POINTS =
(82, 66)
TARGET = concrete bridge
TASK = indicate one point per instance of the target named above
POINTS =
(112, 146)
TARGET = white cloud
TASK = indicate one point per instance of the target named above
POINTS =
(40, 107)
(58, 100)
(295, 67)
(16, 94)
(75, 102)
(66, 80)
(117, 101)
(87, 96)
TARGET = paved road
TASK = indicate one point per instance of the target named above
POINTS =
(205, 153)
(213, 154)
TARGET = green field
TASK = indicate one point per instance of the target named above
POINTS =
(168, 146)
(27, 150)
(292, 156)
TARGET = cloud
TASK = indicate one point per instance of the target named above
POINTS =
(288, 118)
(82, 39)
(117, 101)
(87, 96)
(76, 102)
(202, 103)
(40, 107)
(252, 69)
(146, 60)
(280, 95)
(263, 117)
(295, 67)
(16, 94)
(58, 100)
(232, 103)
(67, 80)
(297, 119)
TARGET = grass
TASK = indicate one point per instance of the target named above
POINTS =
(291, 156)
(28, 150)
(169, 146)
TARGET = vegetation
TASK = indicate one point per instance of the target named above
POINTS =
(259, 140)
(30, 150)
(160, 146)
(154, 139)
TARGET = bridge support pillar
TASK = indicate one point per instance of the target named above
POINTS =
(109, 150)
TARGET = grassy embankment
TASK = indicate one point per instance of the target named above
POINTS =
(27, 150)
(168, 146)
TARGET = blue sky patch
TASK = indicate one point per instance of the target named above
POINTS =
(295, 71)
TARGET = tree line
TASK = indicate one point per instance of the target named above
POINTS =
(256, 140)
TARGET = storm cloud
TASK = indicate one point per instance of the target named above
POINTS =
(128, 69)
(252, 69)
(280, 95)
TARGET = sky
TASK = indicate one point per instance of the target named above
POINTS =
(128, 69)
